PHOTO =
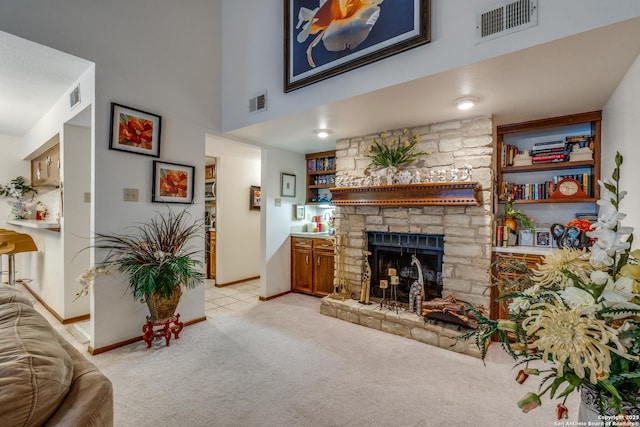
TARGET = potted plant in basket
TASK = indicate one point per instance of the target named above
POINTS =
(575, 321)
(514, 217)
(157, 258)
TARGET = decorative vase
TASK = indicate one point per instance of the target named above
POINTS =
(20, 209)
(588, 411)
(510, 222)
(162, 309)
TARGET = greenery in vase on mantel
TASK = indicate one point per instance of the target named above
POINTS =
(574, 320)
(18, 189)
(395, 152)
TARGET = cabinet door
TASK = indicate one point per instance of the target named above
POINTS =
(500, 309)
(302, 270)
(323, 272)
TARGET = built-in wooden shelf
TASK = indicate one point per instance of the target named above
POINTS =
(425, 194)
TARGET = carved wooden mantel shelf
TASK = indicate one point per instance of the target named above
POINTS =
(465, 193)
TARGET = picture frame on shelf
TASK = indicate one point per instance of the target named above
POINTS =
(371, 32)
(255, 198)
(134, 131)
(288, 185)
(542, 238)
(172, 183)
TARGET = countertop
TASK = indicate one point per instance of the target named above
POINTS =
(32, 223)
(533, 250)
(312, 234)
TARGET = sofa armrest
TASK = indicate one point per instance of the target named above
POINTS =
(90, 398)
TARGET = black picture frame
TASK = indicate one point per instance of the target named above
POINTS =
(172, 183)
(400, 25)
(287, 185)
(255, 198)
(134, 131)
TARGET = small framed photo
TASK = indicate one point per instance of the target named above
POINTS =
(172, 183)
(543, 238)
(288, 182)
(255, 198)
(135, 131)
(300, 211)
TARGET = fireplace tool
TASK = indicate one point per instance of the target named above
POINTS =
(366, 279)
(340, 291)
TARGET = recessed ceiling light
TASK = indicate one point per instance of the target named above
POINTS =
(322, 133)
(465, 103)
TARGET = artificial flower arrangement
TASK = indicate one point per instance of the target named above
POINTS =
(396, 152)
(573, 320)
(18, 189)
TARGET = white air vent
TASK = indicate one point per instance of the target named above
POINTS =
(74, 97)
(259, 103)
(506, 18)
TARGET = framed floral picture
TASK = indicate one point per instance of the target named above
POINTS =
(134, 131)
(288, 185)
(255, 198)
(322, 40)
(172, 183)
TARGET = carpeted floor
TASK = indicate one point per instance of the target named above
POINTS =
(80, 332)
(281, 363)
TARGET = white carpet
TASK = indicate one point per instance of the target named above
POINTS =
(80, 332)
(284, 364)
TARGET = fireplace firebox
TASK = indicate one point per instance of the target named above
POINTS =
(394, 251)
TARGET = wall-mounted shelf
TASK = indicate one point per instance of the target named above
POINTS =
(425, 194)
(32, 223)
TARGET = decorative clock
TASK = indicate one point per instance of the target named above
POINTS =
(569, 188)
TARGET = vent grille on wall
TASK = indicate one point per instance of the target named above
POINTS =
(259, 103)
(74, 97)
(505, 19)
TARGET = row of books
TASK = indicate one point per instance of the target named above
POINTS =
(504, 236)
(548, 151)
(322, 164)
(541, 191)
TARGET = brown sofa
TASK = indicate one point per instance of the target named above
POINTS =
(44, 380)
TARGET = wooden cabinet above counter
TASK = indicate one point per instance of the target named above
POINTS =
(45, 168)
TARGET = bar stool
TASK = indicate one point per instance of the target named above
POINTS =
(11, 244)
(3, 231)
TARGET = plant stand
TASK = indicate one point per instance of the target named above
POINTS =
(165, 329)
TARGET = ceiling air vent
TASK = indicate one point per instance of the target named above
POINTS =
(74, 97)
(506, 18)
(259, 103)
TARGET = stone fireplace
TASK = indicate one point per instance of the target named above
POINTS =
(465, 230)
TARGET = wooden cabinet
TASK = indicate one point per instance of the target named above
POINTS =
(45, 169)
(312, 265)
(501, 275)
(321, 175)
(211, 258)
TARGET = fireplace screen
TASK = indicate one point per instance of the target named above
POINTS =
(392, 252)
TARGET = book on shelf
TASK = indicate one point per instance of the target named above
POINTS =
(548, 144)
(550, 158)
(536, 152)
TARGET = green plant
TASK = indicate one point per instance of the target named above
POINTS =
(17, 188)
(395, 152)
(521, 218)
(154, 254)
(574, 319)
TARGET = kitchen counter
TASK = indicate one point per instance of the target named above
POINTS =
(312, 234)
(32, 223)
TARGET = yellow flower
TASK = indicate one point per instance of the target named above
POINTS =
(550, 271)
(566, 336)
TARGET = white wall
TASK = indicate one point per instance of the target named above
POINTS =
(170, 68)
(237, 227)
(620, 119)
(277, 220)
(252, 62)
(11, 166)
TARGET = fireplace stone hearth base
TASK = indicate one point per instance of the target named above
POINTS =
(404, 323)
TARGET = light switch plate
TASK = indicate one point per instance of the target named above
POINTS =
(87, 197)
(278, 202)
(130, 195)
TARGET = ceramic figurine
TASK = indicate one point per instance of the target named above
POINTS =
(416, 292)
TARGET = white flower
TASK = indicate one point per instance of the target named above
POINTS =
(576, 297)
(521, 304)
(600, 277)
(619, 291)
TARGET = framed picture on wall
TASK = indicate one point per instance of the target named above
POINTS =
(255, 198)
(172, 183)
(288, 183)
(322, 40)
(135, 131)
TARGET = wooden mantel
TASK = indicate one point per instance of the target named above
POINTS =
(465, 193)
